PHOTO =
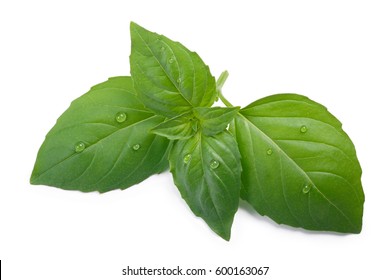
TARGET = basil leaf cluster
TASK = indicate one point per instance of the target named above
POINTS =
(285, 154)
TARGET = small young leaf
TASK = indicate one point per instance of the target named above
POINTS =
(299, 166)
(180, 127)
(214, 120)
(207, 172)
(102, 142)
(169, 78)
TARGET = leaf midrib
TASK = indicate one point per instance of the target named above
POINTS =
(298, 167)
(154, 56)
(92, 145)
(208, 186)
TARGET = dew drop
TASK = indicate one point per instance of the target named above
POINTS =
(120, 117)
(178, 80)
(136, 147)
(187, 158)
(171, 60)
(269, 152)
(214, 164)
(79, 147)
(303, 129)
(306, 189)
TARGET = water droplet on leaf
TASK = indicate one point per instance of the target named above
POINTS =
(136, 147)
(214, 164)
(306, 188)
(120, 117)
(187, 158)
(303, 129)
(79, 147)
(178, 80)
(269, 152)
(171, 60)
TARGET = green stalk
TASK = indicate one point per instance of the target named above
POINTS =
(220, 82)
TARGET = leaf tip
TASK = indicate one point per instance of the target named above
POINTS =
(133, 25)
(225, 236)
(33, 181)
(34, 178)
(224, 232)
(358, 228)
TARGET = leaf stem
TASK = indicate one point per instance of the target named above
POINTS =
(220, 82)
(222, 79)
(225, 101)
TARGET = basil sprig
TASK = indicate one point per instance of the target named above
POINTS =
(285, 154)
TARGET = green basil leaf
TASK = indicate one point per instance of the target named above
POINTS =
(102, 142)
(214, 120)
(207, 172)
(180, 127)
(169, 78)
(299, 167)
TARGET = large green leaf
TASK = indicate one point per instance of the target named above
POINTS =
(169, 78)
(207, 172)
(102, 142)
(299, 166)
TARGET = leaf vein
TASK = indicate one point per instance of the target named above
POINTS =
(300, 170)
(93, 144)
(162, 67)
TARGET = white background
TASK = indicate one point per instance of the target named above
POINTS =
(335, 52)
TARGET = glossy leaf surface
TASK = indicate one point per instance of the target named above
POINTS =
(299, 167)
(207, 172)
(169, 78)
(102, 142)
